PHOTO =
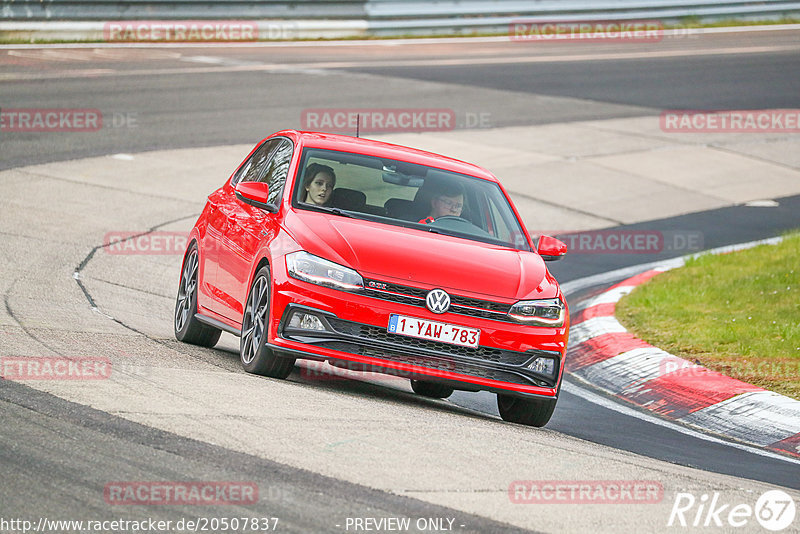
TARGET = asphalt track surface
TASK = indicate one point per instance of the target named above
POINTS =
(56, 453)
(47, 431)
(193, 97)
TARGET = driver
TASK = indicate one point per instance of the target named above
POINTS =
(449, 200)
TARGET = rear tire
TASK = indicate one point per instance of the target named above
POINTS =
(256, 357)
(531, 412)
(186, 326)
(431, 389)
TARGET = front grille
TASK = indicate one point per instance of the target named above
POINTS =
(414, 296)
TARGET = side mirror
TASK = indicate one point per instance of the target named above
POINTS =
(550, 248)
(256, 194)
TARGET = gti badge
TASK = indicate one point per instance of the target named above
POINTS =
(438, 301)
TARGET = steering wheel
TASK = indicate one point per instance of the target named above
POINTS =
(451, 218)
(462, 225)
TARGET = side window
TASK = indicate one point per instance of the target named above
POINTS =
(255, 163)
(242, 171)
(269, 164)
(277, 169)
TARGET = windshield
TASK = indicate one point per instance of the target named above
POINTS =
(406, 194)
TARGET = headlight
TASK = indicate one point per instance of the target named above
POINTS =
(315, 270)
(541, 312)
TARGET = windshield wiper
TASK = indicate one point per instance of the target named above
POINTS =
(329, 209)
(464, 235)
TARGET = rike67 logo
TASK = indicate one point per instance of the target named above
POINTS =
(774, 510)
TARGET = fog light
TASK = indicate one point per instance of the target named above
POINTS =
(545, 366)
(306, 321)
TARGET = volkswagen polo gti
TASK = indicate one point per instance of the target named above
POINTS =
(377, 257)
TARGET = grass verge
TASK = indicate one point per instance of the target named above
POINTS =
(736, 313)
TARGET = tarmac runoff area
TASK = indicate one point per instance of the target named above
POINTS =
(69, 296)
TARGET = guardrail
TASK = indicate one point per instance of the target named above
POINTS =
(413, 16)
(181, 9)
(325, 18)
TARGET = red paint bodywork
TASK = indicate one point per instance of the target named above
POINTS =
(235, 239)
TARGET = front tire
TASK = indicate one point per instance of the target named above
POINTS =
(532, 412)
(431, 389)
(186, 326)
(256, 357)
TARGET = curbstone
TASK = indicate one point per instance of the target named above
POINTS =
(603, 353)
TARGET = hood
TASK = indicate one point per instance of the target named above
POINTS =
(414, 257)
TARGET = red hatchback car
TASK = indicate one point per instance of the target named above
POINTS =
(377, 257)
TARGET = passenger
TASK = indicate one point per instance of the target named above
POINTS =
(447, 200)
(318, 184)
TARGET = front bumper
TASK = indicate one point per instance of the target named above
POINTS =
(355, 336)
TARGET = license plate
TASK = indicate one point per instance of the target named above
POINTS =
(434, 331)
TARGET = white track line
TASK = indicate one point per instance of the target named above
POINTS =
(594, 398)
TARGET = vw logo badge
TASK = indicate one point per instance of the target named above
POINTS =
(438, 301)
